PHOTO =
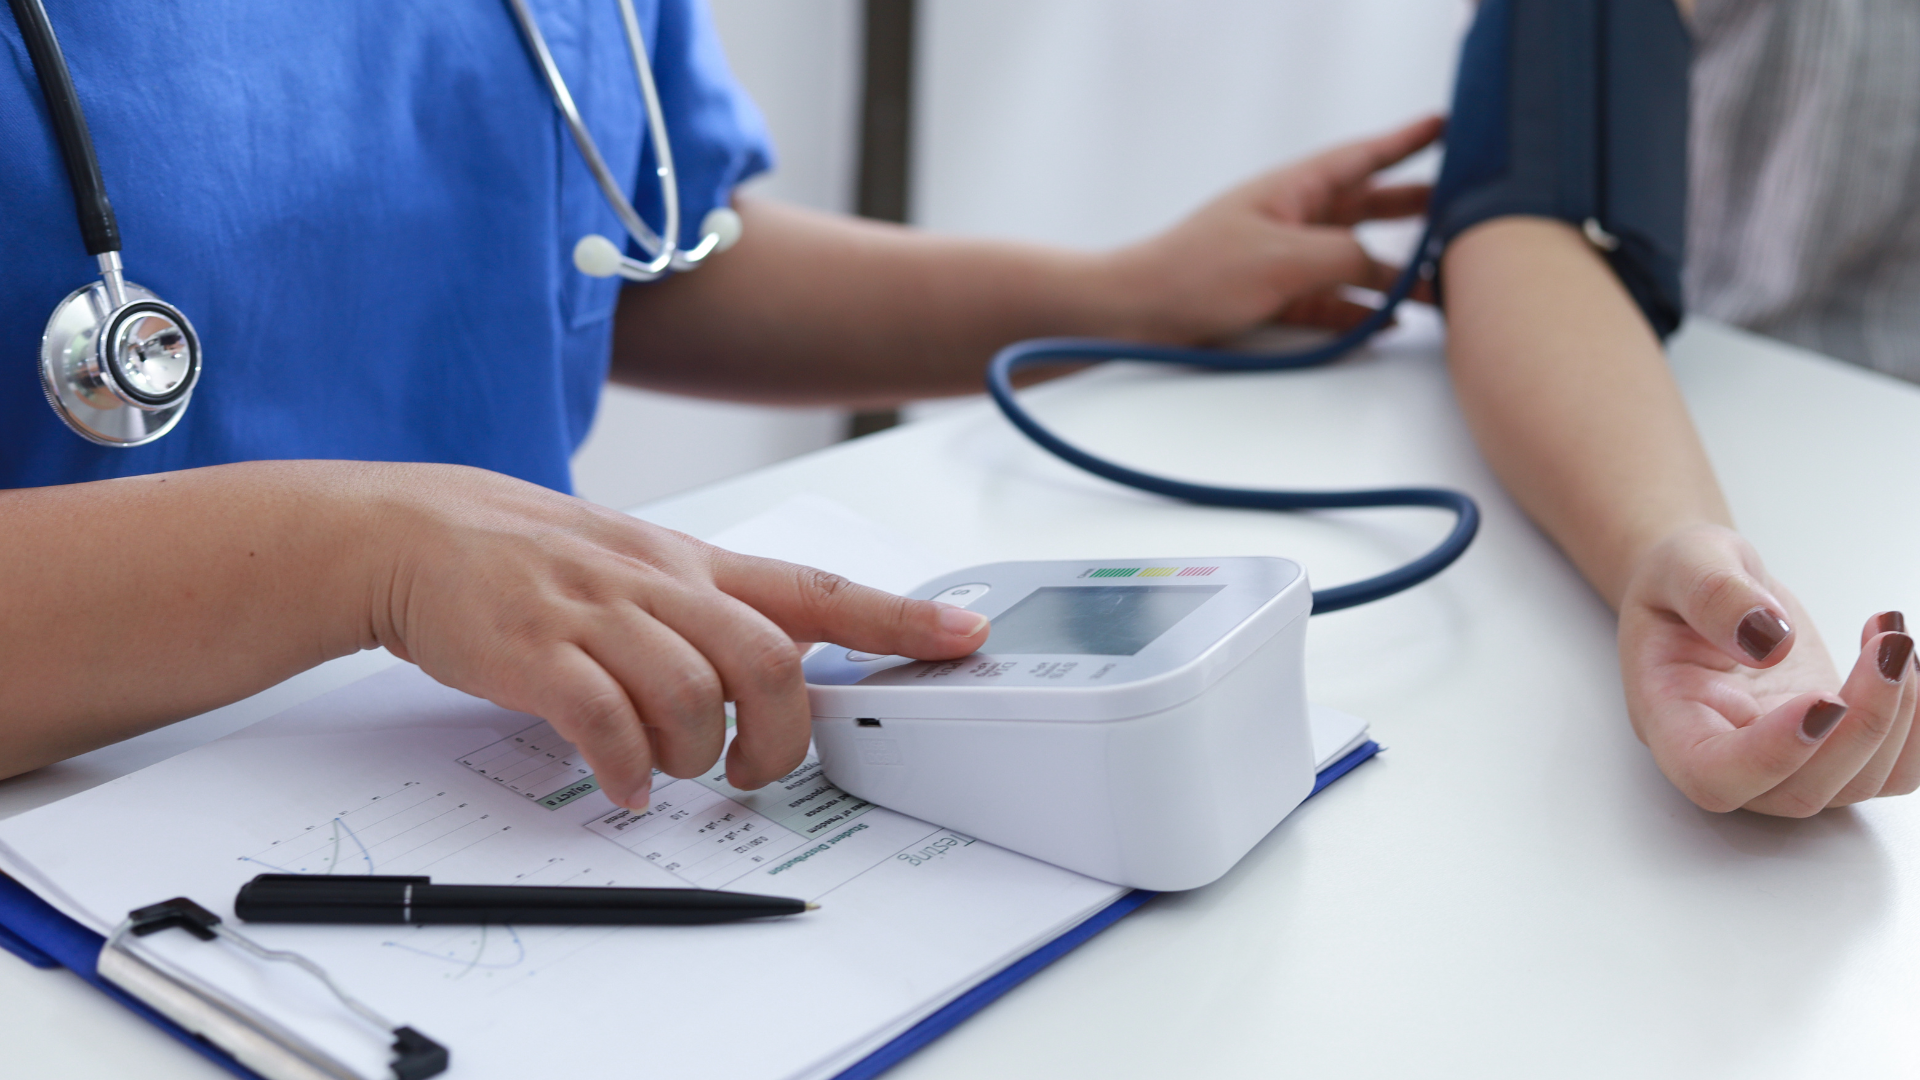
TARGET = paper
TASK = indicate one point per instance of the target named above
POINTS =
(399, 775)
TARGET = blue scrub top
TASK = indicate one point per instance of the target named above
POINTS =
(367, 209)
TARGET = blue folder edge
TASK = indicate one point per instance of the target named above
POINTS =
(33, 930)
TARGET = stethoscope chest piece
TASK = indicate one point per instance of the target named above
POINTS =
(119, 374)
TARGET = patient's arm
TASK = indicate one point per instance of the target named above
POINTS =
(1727, 681)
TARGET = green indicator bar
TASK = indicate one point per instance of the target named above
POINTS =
(569, 793)
(1116, 571)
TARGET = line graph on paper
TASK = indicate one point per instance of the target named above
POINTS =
(403, 831)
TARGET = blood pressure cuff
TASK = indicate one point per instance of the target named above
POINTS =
(1577, 110)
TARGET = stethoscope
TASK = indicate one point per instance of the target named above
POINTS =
(119, 364)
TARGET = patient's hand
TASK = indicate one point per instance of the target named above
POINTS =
(1730, 686)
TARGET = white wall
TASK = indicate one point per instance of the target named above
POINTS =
(800, 60)
(1094, 122)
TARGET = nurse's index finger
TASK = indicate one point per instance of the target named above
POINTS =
(1395, 201)
(1355, 161)
(813, 605)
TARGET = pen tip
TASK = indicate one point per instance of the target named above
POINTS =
(811, 906)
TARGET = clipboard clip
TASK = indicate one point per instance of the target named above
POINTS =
(250, 1038)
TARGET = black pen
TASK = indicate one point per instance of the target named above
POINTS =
(327, 898)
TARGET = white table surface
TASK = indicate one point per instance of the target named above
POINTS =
(1512, 889)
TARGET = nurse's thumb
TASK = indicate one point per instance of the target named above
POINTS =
(813, 605)
(1328, 255)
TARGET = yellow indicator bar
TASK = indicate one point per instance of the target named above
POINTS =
(1158, 571)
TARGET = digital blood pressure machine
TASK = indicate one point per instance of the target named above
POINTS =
(1142, 722)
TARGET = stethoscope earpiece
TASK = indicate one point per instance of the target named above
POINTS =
(724, 225)
(597, 256)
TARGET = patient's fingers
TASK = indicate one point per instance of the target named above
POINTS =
(1884, 622)
(1893, 657)
(1904, 778)
(1723, 768)
(1873, 713)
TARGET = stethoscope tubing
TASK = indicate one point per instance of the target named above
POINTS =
(98, 227)
(1093, 351)
(662, 249)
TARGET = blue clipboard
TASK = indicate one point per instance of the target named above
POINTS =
(33, 930)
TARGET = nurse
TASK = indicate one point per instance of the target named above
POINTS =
(368, 213)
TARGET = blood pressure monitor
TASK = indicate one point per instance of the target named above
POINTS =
(1143, 722)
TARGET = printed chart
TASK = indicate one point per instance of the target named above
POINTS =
(701, 829)
(536, 763)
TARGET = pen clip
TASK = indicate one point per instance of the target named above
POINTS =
(336, 880)
(248, 1037)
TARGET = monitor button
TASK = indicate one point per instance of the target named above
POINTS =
(964, 595)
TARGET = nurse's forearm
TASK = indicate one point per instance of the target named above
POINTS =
(126, 604)
(820, 308)
(1570, 397)
(132, 603)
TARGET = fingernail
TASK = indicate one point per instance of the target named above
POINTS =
(955, 620)
(1895, 651)
(1890, 622)
(1761, 632)
(1820, 718)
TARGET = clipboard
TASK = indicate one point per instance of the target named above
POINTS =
(35, 931)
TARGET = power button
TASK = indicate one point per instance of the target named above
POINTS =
(958, 596)
(964, 595)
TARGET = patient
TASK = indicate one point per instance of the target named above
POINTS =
(1565, 387)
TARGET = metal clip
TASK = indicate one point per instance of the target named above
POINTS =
(250, 1038)
(1599, 237)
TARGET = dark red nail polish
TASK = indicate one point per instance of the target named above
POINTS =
(1761, 632)
(1890, 622)
(1820, 718)
(1895, 651)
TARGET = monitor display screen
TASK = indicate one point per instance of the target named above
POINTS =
(1101, 620)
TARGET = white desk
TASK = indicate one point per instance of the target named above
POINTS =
(1512, 890)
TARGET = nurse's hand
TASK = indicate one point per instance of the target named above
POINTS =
(1730, 687)
(1277, 247)
(627, 637)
